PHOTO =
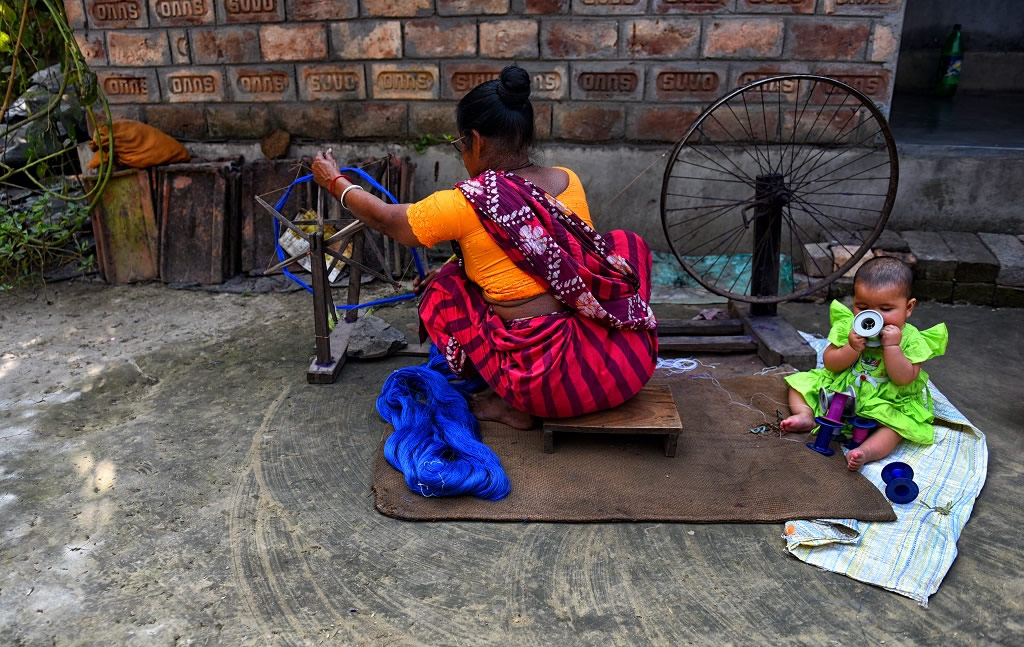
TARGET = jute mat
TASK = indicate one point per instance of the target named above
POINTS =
(721, 471)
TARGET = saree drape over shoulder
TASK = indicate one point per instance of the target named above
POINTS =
(593, 357)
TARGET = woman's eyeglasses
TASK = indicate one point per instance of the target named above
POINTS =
(457, 144)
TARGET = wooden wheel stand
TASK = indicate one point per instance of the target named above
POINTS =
(331, 346)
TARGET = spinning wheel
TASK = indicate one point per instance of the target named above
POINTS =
(324, 251)
(770, 178)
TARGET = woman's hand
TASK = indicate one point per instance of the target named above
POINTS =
(891, 335)
(325, 169)
(419, 285)
(857, 342)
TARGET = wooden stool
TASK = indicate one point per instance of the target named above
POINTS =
(651, 411)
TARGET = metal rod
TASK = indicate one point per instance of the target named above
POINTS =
(764, 279)
(355, 276)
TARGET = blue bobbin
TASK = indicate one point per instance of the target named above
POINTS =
(826, 429)
(899, 479)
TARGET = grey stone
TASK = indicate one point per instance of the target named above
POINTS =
(372, 337)
(1009, 297)
(935, 261)
(933, 290)
(1009, 251)
(975, 264)
(817, 260)
(888, 240)
(980, 294)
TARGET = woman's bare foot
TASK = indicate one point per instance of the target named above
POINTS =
(798, 422)
(490, 406)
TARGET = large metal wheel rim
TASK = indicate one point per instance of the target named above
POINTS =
(875, 232)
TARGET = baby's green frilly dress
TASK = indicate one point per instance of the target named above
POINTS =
(907, 409)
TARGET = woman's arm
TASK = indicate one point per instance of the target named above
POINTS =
(389, 219)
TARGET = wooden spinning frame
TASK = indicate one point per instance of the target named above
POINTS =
(396, 176)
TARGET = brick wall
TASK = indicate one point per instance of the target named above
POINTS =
(603, 70)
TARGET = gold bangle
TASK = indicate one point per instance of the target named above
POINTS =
(347, 189)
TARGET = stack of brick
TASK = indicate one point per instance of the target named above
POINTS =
(603, 70)
(960, 267)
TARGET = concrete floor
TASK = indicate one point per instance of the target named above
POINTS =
(168, 477)
(972, 120)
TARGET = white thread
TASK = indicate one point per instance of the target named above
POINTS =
(677, 365)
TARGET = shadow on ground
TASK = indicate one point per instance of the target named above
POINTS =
(204, 493)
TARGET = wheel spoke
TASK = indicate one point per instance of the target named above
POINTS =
(716, 211)
(810, 149)
(741, 176)
(814, 212)
(798, 180)
(795, 229)
(709, 179)
(834, 147)
(727, 158)
(837, 206)
(797, 120)
(729, 132)
(753, 138)
(797, 187)
(764, 118)
(735, 241)
(749, 133)
(702, 197)
(815, 157)
(716, 238)
(746, 181)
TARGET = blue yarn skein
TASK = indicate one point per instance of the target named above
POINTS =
(436, 443)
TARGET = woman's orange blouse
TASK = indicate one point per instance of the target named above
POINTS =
(447, 215)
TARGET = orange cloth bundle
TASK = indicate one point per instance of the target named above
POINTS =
(137, 145)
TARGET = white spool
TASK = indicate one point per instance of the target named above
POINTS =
(868, 324)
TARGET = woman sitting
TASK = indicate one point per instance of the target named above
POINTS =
(552, 315)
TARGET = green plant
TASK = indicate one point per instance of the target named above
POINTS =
(42, 232)
(39, 237)
(424, 142)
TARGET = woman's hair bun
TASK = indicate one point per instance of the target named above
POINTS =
(514, 86)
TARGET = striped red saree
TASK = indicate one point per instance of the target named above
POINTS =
(597, 355)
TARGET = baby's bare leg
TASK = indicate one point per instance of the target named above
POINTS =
(878, 445)
(802, 418)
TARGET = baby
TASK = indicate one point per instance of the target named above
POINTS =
(890, 386)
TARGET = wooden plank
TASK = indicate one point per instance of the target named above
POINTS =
(651, 411)
(708, 344)
(671, 441)
(668, 327)
(328, 373)
(124, 227)
(414, 350)
(778, 342)
(197, 220)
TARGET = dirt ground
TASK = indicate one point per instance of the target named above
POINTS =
(167, 477)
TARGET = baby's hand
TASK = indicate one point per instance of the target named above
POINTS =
(891, 335)
(857, 342)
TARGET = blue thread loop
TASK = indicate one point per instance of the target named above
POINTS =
(436, 443)
(280, 252)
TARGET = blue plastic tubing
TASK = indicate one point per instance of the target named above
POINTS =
(280, 252)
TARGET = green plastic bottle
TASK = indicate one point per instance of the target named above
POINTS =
(952, 60)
